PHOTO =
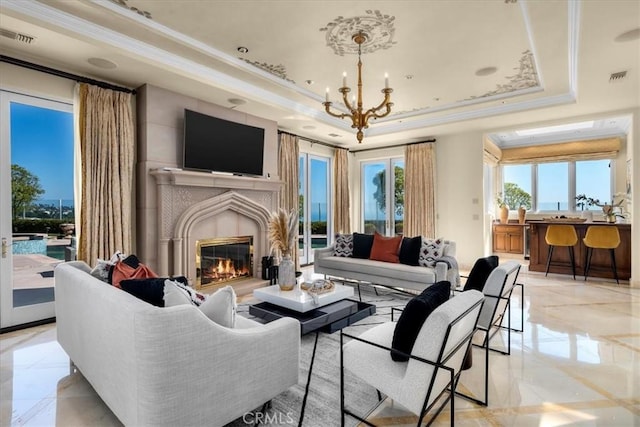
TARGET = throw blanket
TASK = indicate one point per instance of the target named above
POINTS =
(452, 263)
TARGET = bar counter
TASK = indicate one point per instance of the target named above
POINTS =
(560, 261)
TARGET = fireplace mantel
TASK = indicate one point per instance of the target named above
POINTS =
(199, 205)
(214, 180)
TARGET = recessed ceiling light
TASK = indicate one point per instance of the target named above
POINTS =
(335, 135)
(243, 49)
(309, 127)
(436, 99)
(237, 101)
(486, 71)
(408, 76)
(309, 82)
(102, 63)
(628, 36)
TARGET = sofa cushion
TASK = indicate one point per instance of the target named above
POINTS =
(410, 250)
(397, 272)
(431, 250)
(362, 244)
(413, 317)
(221, 307)
(344, 245)
(385, 248)
(102, 269)
(150, 290)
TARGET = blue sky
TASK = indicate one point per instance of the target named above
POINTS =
(42, 142)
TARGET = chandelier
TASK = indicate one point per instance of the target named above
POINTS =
(360, 118)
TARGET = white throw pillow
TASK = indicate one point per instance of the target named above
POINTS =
(221, 307)
(101, 270)
(431, 250)
(174, 294)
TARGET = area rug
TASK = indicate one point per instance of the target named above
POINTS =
(323, 402)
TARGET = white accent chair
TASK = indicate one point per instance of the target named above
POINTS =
(434, 366)
(497, 300)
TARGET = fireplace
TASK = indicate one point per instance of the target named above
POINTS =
(223, 260)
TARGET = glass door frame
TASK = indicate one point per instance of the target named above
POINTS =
(305, 254)
(11, 316)
(389, 168)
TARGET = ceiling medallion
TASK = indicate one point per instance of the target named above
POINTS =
(277, 70)
(360, 118)
(526, 77)
(378, 27)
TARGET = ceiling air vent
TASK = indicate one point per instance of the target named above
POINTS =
(16, 36)
(615, 77)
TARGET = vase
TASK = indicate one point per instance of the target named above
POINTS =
(611, 218)
(504, 214)
(588, 215)
(286, 274)
(522, 213)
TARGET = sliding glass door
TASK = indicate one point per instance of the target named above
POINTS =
(382, 196)
(314, 188)
(36, 203)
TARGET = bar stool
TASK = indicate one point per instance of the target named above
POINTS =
(561, 235)
(601, 237)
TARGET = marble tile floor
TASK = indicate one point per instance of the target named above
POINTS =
(577, 363)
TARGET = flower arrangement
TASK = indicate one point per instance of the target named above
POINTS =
(617, 200)
(283, 231)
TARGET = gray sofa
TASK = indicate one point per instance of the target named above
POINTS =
(386, 273)
(170, 366)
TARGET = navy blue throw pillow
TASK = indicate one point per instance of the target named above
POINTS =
(149, 290)
(410, 250)
(413, 317)
(362, 244)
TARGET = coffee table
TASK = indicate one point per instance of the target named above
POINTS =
(333, 310)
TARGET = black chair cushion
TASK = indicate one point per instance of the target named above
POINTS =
(150, 290)
(413, 317)
(480, 272)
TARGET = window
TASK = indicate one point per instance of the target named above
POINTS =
(383, 196)
(593, 178)
(554, 185)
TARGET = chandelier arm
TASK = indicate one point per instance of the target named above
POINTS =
(327, 106)
(345, 98)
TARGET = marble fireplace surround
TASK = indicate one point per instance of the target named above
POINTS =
(200, 205)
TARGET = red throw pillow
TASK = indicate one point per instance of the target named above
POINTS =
(385, 248)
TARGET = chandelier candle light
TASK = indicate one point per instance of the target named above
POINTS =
(360, 119)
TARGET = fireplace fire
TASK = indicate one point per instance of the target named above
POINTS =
(223, 260)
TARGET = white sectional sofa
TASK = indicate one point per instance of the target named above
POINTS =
(386, 273)
(169, 366)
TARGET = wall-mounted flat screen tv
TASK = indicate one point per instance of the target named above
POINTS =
(213, 144)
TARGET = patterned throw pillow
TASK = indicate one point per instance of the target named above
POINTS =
(343, 246)
(221, 307)
(431, 250)
(177, 293)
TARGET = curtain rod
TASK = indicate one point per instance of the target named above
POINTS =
(313, 141)
(392, 146)
(64, 74)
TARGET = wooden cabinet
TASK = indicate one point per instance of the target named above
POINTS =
(600, 261)
(508, 238)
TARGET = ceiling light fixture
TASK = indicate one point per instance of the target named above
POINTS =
(243, 49)
(360, 119)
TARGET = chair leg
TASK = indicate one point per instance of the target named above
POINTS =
(573, 261)
(341, 382)
(613, 264)
(588, 263)
(549, 254)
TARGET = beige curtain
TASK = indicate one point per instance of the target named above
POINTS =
(341, 220)
(419, 190)
(106, 133)
(288, 160)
